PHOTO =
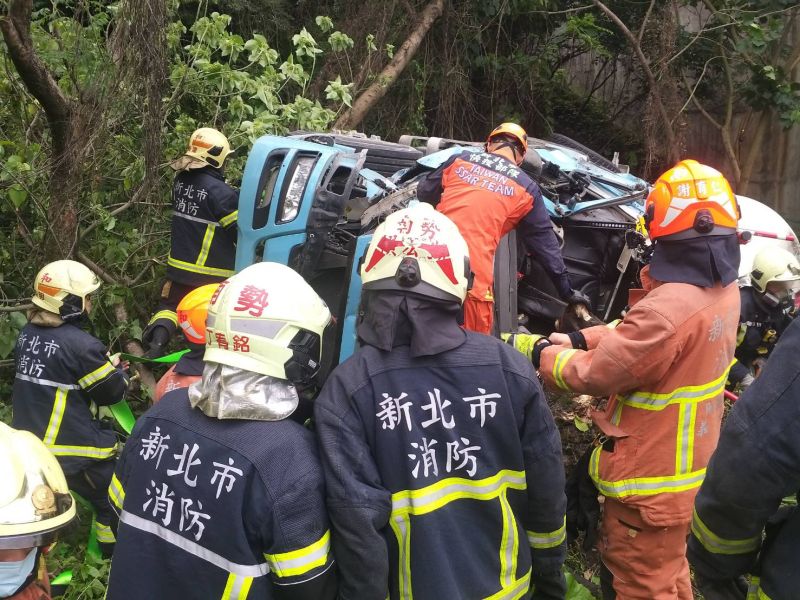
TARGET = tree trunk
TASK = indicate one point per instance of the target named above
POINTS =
(65, 164)
(352, 118)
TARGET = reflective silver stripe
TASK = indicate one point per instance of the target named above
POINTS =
(180, 215)
(509, 544)
(548, 540)
(66, 386)
(459, 488)
(83, 451)
(657, 401)
(717, 545)
(517, 591)
(400, 525)
(191, 547)
(54, 424)
(686, 424)
(261, 327)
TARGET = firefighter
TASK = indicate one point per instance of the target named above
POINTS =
(35, 505)
(487, 195)
(220, 494)
(442, 460)
(63, 374)
(191, 312)
(664, 366)
(203, 242)
(767, 309)
(757, 463)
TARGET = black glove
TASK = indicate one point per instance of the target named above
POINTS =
(576, 297)
(536, 353)
(549, 586)
(721, 589)
(583, 508)
(156, 337)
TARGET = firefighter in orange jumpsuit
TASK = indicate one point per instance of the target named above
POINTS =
(664, 367)
(487, 195)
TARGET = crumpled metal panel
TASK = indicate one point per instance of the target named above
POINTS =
(226, 392)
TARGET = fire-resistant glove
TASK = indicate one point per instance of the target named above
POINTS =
(721, 589)
(583, 507)
(548, 586)
(577, 297)
(530, 344)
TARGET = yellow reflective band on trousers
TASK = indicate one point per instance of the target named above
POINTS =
(237, 587)
(98, 374)
(202, 270)
(104, 534)
(59, 406)
(228, 219)
(719, 545)
(642, 486)
(681, 395)
(116, 492)
(550, 539)
(83, 451)
(206, 245)
(169, 315)
(438, 495)
(562, 358)
(299, 562)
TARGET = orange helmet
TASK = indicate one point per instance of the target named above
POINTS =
(690, 201)
(192, 312)
(513, 130)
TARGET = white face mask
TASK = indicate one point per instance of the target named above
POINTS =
(13, 574)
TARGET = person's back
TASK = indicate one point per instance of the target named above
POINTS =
(442, 460)
(206, 499)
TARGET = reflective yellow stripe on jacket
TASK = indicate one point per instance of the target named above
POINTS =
(299, 562)
(59, 406)
(719, 545)
(228, 219)
(97, 375)
(116, 492)
(237, 587)
(83, 451)
(203, 270)
(550, 539)
(169, 315)
(437, 495)
(562, 358)
(104, 533)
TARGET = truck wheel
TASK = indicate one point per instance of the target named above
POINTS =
(594, 157)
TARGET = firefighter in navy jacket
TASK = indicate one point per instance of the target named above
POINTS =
(756, 464)
(203, 237)
(487, 195)
(442, 461)
(220, 494)
(63, 375)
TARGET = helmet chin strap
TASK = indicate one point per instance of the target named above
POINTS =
(504, 144)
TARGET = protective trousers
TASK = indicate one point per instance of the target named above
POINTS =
(646, 562)
(478, 315)
(92, 484)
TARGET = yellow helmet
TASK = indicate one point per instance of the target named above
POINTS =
(418, 250)
(512, 130)
(268, 320)
(776, 274)
(61, 287)
(34, 499)
(207, 146)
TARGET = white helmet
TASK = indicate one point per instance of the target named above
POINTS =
(34, 499)
(61, 287)
(207, 146)
(779, 267)
(268, 320)
(418, 250)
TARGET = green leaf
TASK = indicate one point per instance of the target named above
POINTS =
(580, 424)
(324, 23)
(340, 41)
(371, 43)
(18, 195)
(390, 50)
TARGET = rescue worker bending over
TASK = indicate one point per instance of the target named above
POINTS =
(442, 461)
(35, 505)
(767, 309)
(757, 463)
(191, 313)
(220, 494)
(487, 195)
(203, 242)
(665, 367)
(63, 375)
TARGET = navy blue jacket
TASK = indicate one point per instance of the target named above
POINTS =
(204, 212)
(443, 473)
(63, 374)
(756, 464)
(214, 509)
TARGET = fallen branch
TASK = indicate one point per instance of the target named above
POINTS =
(16, 308)
(131, 346)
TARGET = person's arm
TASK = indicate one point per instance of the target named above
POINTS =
(540, 240)
(429, 188)
(299, 556)
(104, 383)
(358, 504)
(229, 208)
(755, 465)
(638, 351)
(544, 472)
